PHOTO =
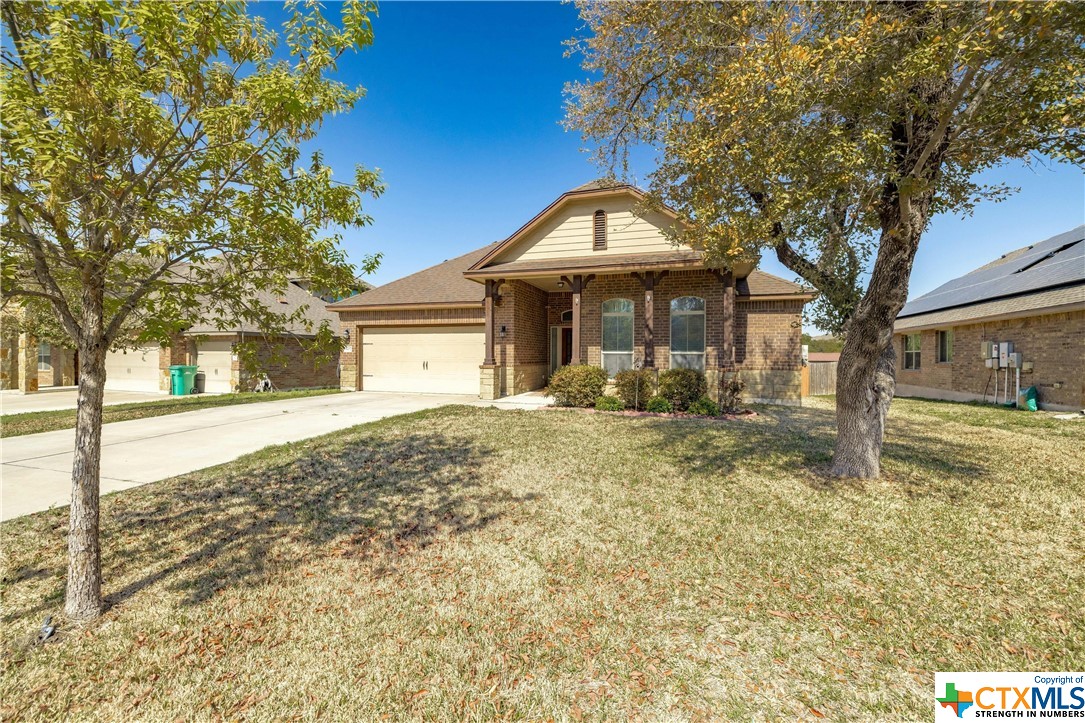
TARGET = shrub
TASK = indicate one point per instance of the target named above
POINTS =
(578, 385)
(731, 394)
(682, 387)
(659, 405)
(609, 404)
(635, 387)
(705, 407)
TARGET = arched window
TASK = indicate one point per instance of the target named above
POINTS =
(567, 316)
(599, 230)
(687, 333)
(617, 335)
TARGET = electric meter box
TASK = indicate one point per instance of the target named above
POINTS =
(1004, 350)
(1015, 359)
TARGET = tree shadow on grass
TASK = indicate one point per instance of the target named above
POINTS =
(799, 441)
(375, 496)
(380, 496)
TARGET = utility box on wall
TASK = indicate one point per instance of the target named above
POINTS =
(1004, 350)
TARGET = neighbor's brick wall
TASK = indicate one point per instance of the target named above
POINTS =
(355, 321)
(288, 366)
(180, 351)
(1054, 343)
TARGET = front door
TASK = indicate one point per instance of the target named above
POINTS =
(561, 347)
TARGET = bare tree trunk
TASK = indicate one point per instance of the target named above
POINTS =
(866, 372)
(862, 403)
(83, 599)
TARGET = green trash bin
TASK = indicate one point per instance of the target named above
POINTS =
(182, 379)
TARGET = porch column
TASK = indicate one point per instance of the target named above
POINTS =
(725, 355)
(492, 286)
(28, 363)
(649, 281)
(578, 283)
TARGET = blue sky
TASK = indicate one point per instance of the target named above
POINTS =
(462, 115)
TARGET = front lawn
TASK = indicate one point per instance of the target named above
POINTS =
(476, 563)
(14, 425)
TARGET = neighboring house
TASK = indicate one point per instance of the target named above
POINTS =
(588, 280)
(146, 368)
(27, 364)
(1033, 297)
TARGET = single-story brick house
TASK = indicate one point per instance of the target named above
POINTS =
(1033, 297)
(146, 368)
(590, 279)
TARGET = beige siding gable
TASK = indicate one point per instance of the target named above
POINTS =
(567, 233)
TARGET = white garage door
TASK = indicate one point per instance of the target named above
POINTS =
(133, 370)
(215, 358)
(429, 359)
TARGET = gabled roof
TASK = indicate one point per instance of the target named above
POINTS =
(1057, 262)
(440, 285)
(290, 300)
(598, 187)
(445, 285)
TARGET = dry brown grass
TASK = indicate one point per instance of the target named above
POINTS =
(474, 563)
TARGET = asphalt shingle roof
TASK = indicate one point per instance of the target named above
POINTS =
(1056, 262)
(440, 284)
(290, 300)
(445, 282)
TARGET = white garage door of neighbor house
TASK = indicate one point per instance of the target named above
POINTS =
(132, 370)
(214, 359)
(429, 359)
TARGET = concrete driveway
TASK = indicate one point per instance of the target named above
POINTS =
(48, 400)
(36, 469)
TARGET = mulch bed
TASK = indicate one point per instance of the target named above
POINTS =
(729, 417)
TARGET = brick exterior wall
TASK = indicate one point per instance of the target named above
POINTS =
(355, 321)
(767, 333)
(1054, 343)
(522, 351)
(289, 367)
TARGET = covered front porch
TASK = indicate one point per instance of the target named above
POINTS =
(650, 318)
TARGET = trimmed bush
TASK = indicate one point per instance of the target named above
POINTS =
(659, 405)
(682, 387)
(635, 387)
(731, 394)
(609, 404)
(578, 385)
(705, 407)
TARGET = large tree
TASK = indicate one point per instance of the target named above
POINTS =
(151, 180)
(829, 134)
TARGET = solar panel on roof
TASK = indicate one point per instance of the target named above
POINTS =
(1057, 261)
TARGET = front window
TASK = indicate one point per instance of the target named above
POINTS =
(45, 358)
(911, 351)
(617, 335)
(687, 333)
(945, 346)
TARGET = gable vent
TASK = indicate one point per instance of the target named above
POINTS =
(600, 230)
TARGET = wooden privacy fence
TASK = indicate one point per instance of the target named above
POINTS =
(822, 377)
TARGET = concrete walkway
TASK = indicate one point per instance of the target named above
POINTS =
(52, 399)
(36, 469)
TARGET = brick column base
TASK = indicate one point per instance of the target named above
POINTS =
(28, 363)
(489, 382)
